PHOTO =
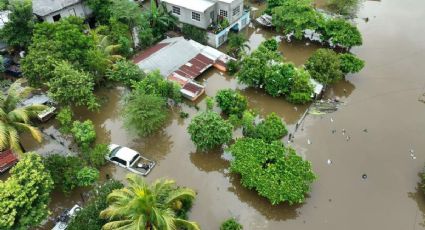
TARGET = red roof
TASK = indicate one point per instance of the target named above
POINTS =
(195, 67)
(7, 160)
(148, 52)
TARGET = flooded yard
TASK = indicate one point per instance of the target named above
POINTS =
(367, 177)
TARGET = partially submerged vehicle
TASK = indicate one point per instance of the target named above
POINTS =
(7, 160)
(130, 159)
(63, 220)
(42, 99)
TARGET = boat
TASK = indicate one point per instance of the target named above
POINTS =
(265, 20)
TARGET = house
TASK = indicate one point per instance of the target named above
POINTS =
(54, 10)
(182, 61)
(209, 15)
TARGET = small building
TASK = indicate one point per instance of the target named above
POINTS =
(209, 15)
(54, 10)
(182, 61)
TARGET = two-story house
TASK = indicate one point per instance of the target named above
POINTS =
(54, 10)
(205, 14)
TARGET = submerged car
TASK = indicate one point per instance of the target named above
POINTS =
(130, 159)
(63, 220)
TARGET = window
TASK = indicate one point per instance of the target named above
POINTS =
(118, 160)
(196, 16)
(176, 10)
(236, 10)
(136, 157)
(223, 13)
(56, 17)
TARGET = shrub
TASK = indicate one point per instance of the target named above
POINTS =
(87, 176)
(88, 218)
(342, 33)
(350, 63)
(125, 71)
(271, 44)
(278, 79)
(84, 133)
(270, 129)
(143, 113)
(231, 224)
(231, 102)
(65, 117)
(194, 33)
(324, 66)
(274, 171)
(301, 88)
(232, 67)
(155, 84)
(96, 156)
(208, 130)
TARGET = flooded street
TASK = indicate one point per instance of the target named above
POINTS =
(367, 178)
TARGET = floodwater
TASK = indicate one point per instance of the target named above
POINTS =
(381, 116)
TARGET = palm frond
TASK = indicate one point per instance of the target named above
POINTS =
(19, 115)
(189, 225)
(4, 136)
(180, 194)
(119, 224)
(14, 141)
(35, 133)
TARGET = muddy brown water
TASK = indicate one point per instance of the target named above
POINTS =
(381, 115)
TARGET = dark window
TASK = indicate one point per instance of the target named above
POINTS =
(236, 10)
(223, 13)
(116, 159)
(176, 10)
(196, 16)
(56, 17)
(134, 159)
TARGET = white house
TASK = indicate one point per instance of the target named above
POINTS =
(205, 14)
(54, 10)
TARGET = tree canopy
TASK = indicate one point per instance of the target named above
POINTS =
(342, 33)
(274, 171)
(270, 129)
(208, 130)
(350, 63)
(324, 66)
(231, 102)
(25, 195)
(155, 84)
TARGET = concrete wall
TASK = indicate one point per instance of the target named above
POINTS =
(78, 10)
(229, 8)
(186, 16)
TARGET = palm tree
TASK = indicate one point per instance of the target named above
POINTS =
(15, 120)
(159, 18)
(237, 44)
(147, 207)
(104, 45)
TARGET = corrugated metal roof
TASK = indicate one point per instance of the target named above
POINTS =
(45, 7)
(195, 5)
(6, 159)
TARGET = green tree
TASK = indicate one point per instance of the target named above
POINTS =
(84, 133)
(87, 176)
(15, 120)
(17, 32)
(294, 16)
(25, 195)
(270, 129)
(278, 79)
(237, 44)
(301, 89)
(344, 7)
(101, 9)
(324, 66)
(272, 170)
(271, 44)
(350, 63)
(72, 87)
(231, 102)
(194, 33)
(65, 117)
(342, 33)
(231, 224)
(208, 130)
(88, 218)
(144, 113)
(125, 71)
(95, 157)
(160, 20)
(154, 83)
(141, 206)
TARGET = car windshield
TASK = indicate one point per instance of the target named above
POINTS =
(134, 159)
(114, 151)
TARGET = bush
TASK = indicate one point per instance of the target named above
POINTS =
(96, 156)
(87, 176)
(124, 71)
(88, 218)
(301, 88)
(65, 117)
(194, 33)
(272, 170)
(231, 102)
(155, 84)
(324, 66)
(208, 130)
(342, 33)
(271, 44)
(350, 63)
(278, 79)
(270, 129)
(143, 113)
(231, 224)
(232, 67)
(84, 133)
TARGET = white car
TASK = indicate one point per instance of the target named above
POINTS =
(129, 159)
(63, 220)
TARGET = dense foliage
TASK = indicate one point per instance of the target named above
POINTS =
(194, 33)
(270, 129)
(155, 84)
(274, 171)
(25, 195)
(231, 102)
(231, 224)
(350, 63)
(84, 133)
(237, 45)
(279, 79)
(344, 7)
(69, 172)
(125, 72)
(143, 206)
(208, 130)
(65, 118)
(301, 88)
(324, 66)
(144, 113)
(88, 218)
(17, 32)
(95, 157)
(342, 33)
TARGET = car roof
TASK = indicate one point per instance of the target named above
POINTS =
(126, 154)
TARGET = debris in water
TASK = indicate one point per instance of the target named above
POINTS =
(343, 131)
(324, 106)
(295, 108)
(365, 130)
(364, 176)
(348, 138)
(332, 120)
(308, 141)
(329, 161)
(333, 131)
(412, 155)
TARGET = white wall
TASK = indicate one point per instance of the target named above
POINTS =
(79, 9)
(186, 16)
